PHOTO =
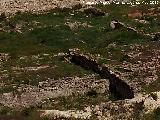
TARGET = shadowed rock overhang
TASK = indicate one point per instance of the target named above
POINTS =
(118, 87)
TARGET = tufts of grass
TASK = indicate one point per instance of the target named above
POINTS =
(92, 93)
(7, 89)
(4, 110)
(74, 102)
(157, 113)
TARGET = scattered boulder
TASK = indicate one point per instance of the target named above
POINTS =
(115, 24)
(142, 21)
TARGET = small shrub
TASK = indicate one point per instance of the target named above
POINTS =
(124, 58)
(18, 12)
(92, 93)
(77, 6)
(11, 24)
(27, 111)
(4, 110)
(3, 17)
(45, 118)
(157, 113)
(154, 96)
(112, 97)
(137, 110)
(94, 12)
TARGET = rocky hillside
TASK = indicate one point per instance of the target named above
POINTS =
(12, 6)
(70, 60)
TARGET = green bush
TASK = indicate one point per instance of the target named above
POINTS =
(2, 16)
(27, 111)
(4, 110)
(92, 92)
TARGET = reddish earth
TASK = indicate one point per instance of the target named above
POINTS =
(135, 14)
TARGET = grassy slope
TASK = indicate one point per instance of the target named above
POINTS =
(50, 35)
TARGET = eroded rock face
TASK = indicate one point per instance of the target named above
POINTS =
(118, 87)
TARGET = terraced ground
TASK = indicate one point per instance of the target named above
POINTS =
(36, 73)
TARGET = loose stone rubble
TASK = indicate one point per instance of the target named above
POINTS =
(123, 109)
(75, 25)
(32, 68)
(26, 95)
(55, 114)
(146, 65)
(37, 6)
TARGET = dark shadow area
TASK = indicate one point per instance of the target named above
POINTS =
(120, 89)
